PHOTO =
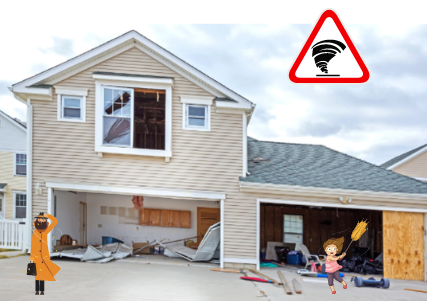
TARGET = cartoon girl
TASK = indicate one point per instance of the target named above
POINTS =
(333, 246)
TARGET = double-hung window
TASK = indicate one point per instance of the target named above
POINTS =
(196, 113)
(20, 167)
(132, 116)
(71, 104)
(20, 205)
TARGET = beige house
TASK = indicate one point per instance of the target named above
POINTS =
(130, 118)
(411, 164)
(13, 167)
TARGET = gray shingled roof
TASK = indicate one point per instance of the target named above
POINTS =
(401, 157)
(3, 185)
(319, 166)
(24, 124)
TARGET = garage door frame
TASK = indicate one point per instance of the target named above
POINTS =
(347, 206)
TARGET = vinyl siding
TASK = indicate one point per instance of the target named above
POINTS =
(13, 182)
(416, 167)
(211, 161)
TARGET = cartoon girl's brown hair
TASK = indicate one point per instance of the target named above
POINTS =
(338, 242)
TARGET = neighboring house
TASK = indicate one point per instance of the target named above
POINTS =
(13, 167)
(130, 118)
(412, 164)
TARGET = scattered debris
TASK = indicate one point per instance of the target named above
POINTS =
(297, 287)
(99, 254)
(410, 289)
(206, 250)
(266, 277)
(304, 272)
(285, 283)
(226, 270)
(256, 279)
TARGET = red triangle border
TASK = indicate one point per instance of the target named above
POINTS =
(330, 80)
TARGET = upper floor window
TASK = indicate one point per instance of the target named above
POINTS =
(71, 104)
(133, 115)
(196, 112)
(20, 165)
(196, 117)
(134, 118)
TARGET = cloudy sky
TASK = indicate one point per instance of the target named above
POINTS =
(374, 121)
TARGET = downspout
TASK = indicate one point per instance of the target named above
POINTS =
(28, 225)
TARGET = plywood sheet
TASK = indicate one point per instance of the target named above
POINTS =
(403, 245)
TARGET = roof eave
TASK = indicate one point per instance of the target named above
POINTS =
(325, 192)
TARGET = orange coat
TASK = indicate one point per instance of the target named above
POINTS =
(46, 269)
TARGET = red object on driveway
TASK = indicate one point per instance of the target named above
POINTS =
(255, 279)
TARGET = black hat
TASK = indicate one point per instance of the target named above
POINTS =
(41, 215)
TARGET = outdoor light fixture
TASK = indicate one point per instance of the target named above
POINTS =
(38, 189)
(344, 200)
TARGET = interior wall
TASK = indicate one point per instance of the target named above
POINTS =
(122, 221)
(67, 213)
(320, 224)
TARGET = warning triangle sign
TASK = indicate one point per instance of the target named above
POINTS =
(329, 55)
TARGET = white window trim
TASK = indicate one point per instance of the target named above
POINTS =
(196, 100)
(14, 163)
(77, 93)
(3, 203)
(125, 82)
(207, 126)
(14, 204)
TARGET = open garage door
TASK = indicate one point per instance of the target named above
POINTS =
(403, 245)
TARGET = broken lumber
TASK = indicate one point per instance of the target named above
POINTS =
(285, 284)
(297, 288)
(410, 289)
(266, 277)
(226, 270)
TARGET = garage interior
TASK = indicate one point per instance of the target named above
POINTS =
(312, 226)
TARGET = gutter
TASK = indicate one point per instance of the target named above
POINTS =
(28, 225)
(329, 192)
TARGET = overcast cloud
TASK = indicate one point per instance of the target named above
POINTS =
(374, 121)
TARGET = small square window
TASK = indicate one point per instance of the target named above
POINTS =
(71, 108)
(196, 117)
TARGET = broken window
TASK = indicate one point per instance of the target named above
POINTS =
(134, 118)
(149, 124)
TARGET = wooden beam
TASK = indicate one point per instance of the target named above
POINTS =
(266, 277)
(285, 284)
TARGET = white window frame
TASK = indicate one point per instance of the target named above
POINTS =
(124, 82)
(14, 164)
(72, 93)
(3, 204)
(197, 101)
(14, 204)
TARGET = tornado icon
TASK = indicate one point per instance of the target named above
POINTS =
(323, 52)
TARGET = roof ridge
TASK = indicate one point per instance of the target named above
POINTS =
(403, 156)
(279, 142)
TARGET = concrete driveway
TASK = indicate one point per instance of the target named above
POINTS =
(135, 279)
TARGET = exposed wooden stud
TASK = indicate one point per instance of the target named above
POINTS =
(297, 288)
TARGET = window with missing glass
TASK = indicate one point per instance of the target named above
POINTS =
(20, 164)
(20, 202)
(134, 118)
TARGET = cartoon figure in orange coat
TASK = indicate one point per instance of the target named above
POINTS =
(46, 269)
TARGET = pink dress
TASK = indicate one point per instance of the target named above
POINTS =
(332, 266)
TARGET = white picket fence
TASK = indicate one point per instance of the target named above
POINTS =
(11, 234)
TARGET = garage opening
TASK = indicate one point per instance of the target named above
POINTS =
(292, 225)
